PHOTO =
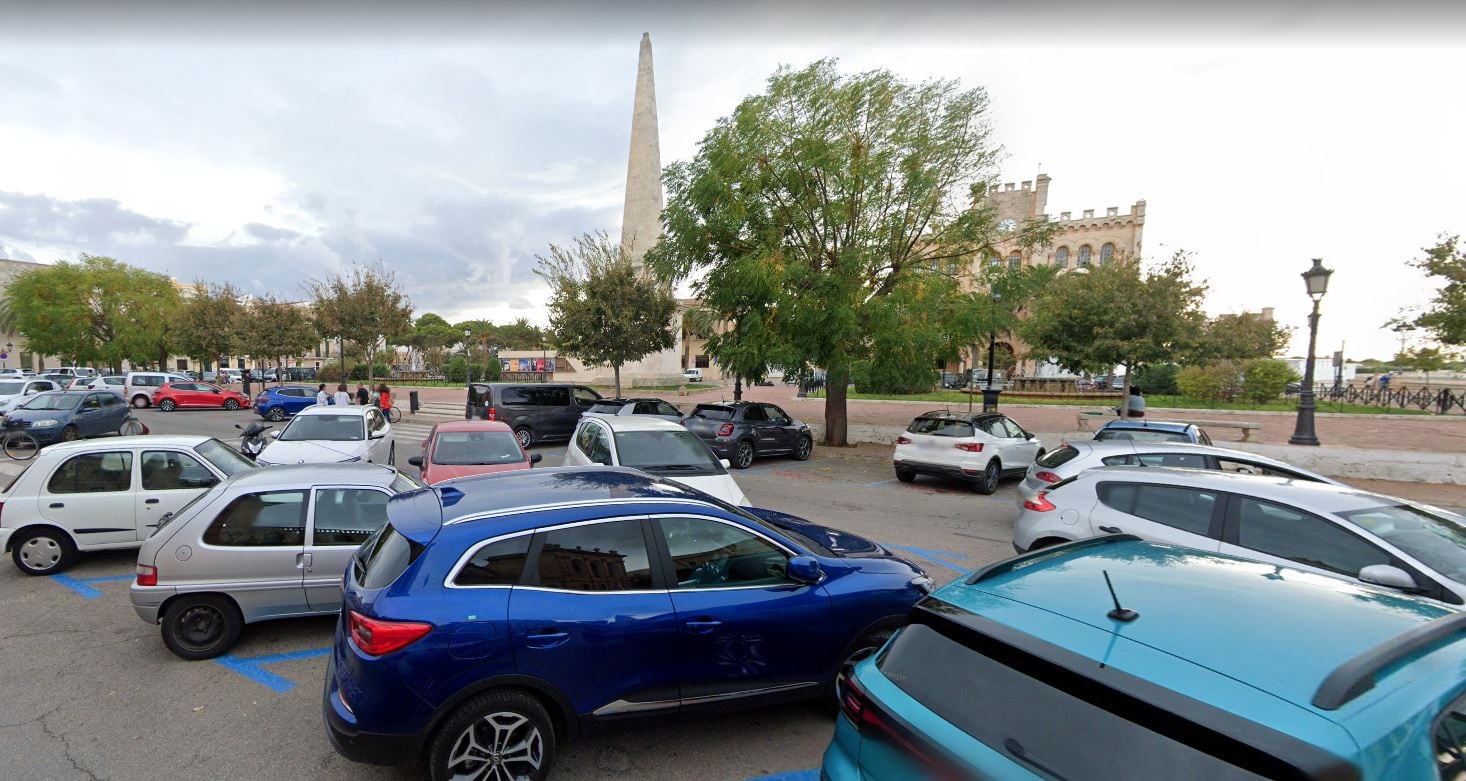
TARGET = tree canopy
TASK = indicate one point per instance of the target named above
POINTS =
(276, 330)
(1445, 316)
(364, 307)
(208, 321)
(1240, 337)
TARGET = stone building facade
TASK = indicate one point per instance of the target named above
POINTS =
(13, 344)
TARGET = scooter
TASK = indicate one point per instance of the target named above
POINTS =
(252, 441)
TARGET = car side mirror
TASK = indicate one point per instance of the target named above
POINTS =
(377, 434)
(275, 434)
(726, 463)
(805, 569)
(213, 390)
(1390, 576)
(535, 458)
(415, 461)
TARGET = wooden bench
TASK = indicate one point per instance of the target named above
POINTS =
(1245, 427)
(1085, 416)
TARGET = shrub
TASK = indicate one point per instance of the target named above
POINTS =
(1265, 379)
(885, 375)
(455, 371)
(1213, 383)
(328, 374)
(358, 372)
(1157, 380)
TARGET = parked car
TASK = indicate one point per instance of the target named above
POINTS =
(743, 430)
(139, 387)
(1201, 666)
(15, 392)
(66, 416)
(236, 554)
(114, 383)
(298, 373)
(105, 494)
(186, 395)
(11, 374)
(270, 374)
(978, 448)
(282, 401)
(464, 448)
(1071, 458)
(75, 371)
(78, 383)
(692, 375)
(1332, 530)
(1152, 431)
(537, 412)
(325, 435)
(657, 447)
(646, 407)
(229, 376)
(490, 610)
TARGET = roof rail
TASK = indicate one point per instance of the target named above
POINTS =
(1356, 676)
(1007, 565)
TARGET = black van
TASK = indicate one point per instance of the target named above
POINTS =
(538, 412)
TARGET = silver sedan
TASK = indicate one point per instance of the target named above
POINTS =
(1330, 530)
(1073, 458)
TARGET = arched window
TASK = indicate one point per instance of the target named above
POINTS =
(1015, 261)
(1084, 253)
(1061, 258)
(1107, 253)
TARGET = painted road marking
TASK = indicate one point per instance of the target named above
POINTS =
(253, 667)
(79, 585)
(945, 558)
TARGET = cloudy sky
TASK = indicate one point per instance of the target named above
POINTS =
(454, 141)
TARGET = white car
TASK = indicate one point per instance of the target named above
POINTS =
(328, 435)
(655, 446)
(138, 387)
(15, 391)
(976, 447)
(115, 383)
(692, 375)
(104, 494)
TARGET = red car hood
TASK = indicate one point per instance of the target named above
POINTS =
(437, 473)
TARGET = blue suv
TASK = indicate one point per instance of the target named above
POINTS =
(284, 401)
(493, 616)
(1153, 431)
(1113, 658)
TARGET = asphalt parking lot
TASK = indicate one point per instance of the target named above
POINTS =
(89, 691)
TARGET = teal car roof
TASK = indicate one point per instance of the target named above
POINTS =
(1275, 629)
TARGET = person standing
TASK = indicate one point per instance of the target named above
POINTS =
(1384, 381)
(363, 396)
(322, 397)
(384, 398)
(343, 398)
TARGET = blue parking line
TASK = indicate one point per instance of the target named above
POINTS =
(797, 775)
(253, 667)
(79, 585)
(945, 558)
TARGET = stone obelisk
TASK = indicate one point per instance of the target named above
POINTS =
(641, 216)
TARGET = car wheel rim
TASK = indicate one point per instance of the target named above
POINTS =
(745, 454)
(524, 437)
(70, 435)
(277, 415)
(499, 747)
(231, 405)
(199, 627)
(803, 448)
(40, 553)
(991, 476)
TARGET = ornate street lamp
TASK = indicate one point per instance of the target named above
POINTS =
(467, 361)
(990, 394)
(1317, 281)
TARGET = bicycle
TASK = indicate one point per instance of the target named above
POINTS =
(19, 444)
(132, 427)
(394, 414)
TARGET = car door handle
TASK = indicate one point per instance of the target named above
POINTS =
(546, 638)
(150, 501)
(704, 625)
(304, 561)
(1110, 529)
(57, 505)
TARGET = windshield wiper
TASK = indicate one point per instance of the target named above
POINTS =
(674, 466)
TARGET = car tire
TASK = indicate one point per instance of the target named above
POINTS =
(804, 449)
(988, 483)
(860, 650)
(525, 436)
(276, 414)
(743, 455)
(201, 626)
(167, 405)
(70, 434)
(485, 726)
(43, 551)
(140, 402)
(905, 475)
(231, 404)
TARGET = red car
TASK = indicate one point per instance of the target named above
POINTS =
(176, 395)
(462, 448)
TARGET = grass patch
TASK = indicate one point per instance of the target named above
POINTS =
(1151, 402)
(627, 391)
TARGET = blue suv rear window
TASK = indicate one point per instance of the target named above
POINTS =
(383, 557)
(496, 564)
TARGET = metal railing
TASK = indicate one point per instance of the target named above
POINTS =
(1442, 401)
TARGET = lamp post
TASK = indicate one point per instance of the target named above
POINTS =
(544, 352)
(8, 348)
(467, 361)
(990, 394)
(1317, 280)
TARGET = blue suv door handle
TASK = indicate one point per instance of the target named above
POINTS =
(546, 638)
(703, 625)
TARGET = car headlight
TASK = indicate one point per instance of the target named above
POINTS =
(48, 423)
(923, 583)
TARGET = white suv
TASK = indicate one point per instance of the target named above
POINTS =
(105, 494)
(979, 448)
(139, 387)
(692, 375)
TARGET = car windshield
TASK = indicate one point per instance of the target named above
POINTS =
(53, 401)
(328, 428)
(476, 448)
(666, 452)
(606, 407)
(1141, 435)
(229, 461)
(1438, 541)
(940, 427)
(11, 388)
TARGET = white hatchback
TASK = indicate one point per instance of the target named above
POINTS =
(329, 435)
(979, 448)
(655, 446)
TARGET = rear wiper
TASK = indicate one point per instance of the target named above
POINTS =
(1016, 750)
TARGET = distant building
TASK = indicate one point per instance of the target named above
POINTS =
(13, 344)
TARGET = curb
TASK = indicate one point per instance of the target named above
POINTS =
(1160, 411)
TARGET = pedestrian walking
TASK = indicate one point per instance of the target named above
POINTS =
(343, 398)
(363, 396)
(384, 398)
(1384, 381)
(322, 397)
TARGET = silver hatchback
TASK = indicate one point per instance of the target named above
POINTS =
(267, 543)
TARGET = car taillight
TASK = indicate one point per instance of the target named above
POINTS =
(971, 447)
(1047, 477)
(872, 721)
(376, 637)
(1039, 503)
(903, 440)
(146, 575)
(725, 430)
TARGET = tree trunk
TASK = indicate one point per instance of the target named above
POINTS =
(836, 418)
(1125, 393)
(617, 368)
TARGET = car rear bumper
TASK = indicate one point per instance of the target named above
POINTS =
(147, 601)
(938, 470)
(5, 540)
(373, 748)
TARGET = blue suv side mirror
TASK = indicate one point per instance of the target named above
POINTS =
(805, 569)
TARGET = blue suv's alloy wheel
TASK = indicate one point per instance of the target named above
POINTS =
(498, 736)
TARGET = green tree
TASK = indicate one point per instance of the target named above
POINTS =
(208, 320)
(1117, 314)
(364, 307)
(815, 203)
(1211, 383)
(1240, 337)
(602, 309)
(1265, 379)
(1445, 316)
(275, 331)
(1424, 359)
(431, 334)
(1159, 379)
